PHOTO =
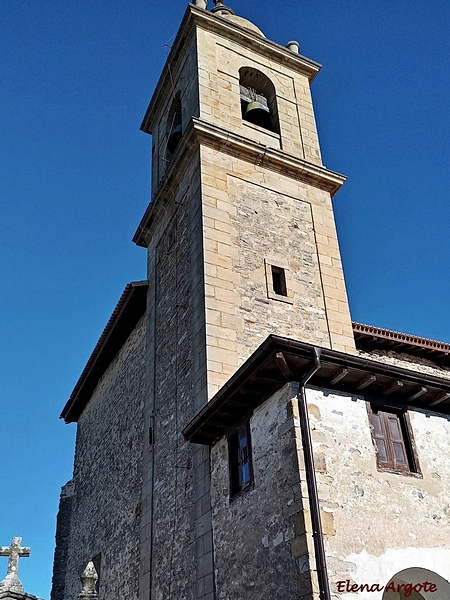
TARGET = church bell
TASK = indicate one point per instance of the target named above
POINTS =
(258, 114)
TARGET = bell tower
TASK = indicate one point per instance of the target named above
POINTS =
(235, 139)
(241, 244)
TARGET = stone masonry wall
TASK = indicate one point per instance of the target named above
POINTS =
(275, 229)
(219, 61)
(176, 529)
(252, 218)
(407, 361)
(379, 523)
(62, 542)
(375, 524)
(201, 285)
(260, 549)
(173, 566)
(250, 212)
(106, 505)
(181, 82)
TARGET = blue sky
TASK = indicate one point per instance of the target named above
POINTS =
(75, 80)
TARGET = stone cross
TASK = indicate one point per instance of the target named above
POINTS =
(14, 552)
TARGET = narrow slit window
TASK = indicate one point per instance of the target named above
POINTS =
(279, 281)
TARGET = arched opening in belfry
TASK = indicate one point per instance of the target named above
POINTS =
(258, 99)
(416, 583)
(173, 127)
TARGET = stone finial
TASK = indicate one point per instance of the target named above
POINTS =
(293, 46)
(221, 9)
(88, 580)
(11, 582)
(201, 3)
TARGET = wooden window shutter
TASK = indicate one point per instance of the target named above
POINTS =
(388, 432)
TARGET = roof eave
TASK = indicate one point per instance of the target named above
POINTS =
(261, 376)
(126, 315)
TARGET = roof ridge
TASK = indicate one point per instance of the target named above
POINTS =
(400, 336)
(113, 320)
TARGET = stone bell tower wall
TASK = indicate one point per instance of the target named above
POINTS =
(176, 538)
(222, 53)
(229, 203)
(258, 214)
(253, 219)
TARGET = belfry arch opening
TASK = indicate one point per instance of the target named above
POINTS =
(174, 128)
(416, 583)
(258, 99)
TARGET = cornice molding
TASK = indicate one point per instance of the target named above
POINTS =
(200, 132)
(261, 45)
(195, 17)
(267, 157)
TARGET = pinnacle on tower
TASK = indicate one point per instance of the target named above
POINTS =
(221, 9)
(89, 579)
(201, 4)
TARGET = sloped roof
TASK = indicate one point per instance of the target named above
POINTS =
(279, 360)
(368, 337)
(128, 311)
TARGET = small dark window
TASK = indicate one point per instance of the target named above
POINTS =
(239, 454)
(392, 436)
(279, 281)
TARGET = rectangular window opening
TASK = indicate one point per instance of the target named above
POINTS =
(279, 281)
(239, 453)
(392, 436)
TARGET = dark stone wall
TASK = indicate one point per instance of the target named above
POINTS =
(106, 501)
(176, 525)
(62, 542)
(172, 526)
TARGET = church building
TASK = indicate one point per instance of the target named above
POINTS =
(238, 436)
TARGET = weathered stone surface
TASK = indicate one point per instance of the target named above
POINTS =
(415, 363)
(255, 544)
(383, 522)
(173, 495)
(216, 222)
(62, 541)
(100, 512)
(260, 219)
